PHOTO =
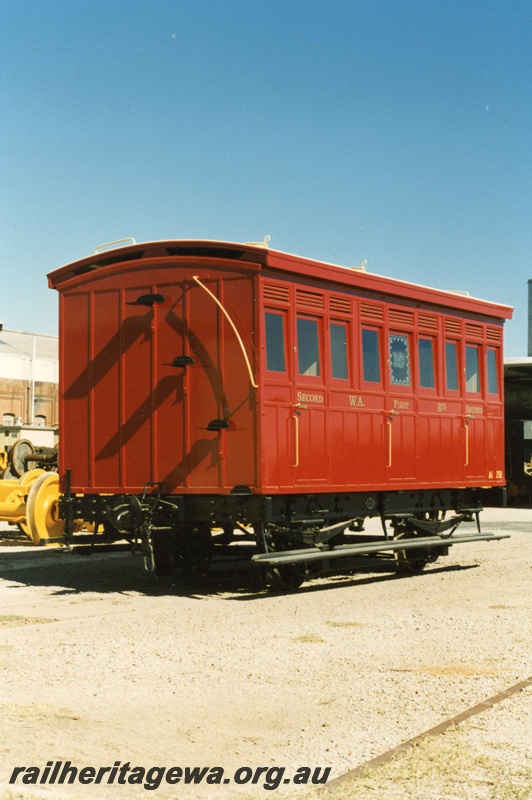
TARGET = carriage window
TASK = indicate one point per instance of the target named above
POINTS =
(493, 381)
(399, 360)
(472, 369)
(338, 334)
(451, 365)
(308, 351)
(370, 355)
(426, 363)
(275, 350)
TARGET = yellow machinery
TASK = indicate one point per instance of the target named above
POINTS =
(31, 502)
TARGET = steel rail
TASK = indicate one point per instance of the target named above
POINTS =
(405, 746)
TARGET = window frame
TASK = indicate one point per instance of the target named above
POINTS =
(365, 382)
(477, 349)
(398, 386)
(496, 371)
(320, 377)
(456, 343)
(341, 381)
(283, 315)
(426, 337)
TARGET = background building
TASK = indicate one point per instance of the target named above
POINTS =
(518, 417)
(29, 376)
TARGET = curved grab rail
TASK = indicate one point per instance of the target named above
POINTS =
(232, 324)
(116, 241)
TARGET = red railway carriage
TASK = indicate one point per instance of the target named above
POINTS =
(210, 384)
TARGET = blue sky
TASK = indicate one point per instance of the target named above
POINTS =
(396, 131)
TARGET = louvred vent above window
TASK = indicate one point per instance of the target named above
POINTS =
(398, 316)
(308, 299)
(493, 334)
(340, 305)
(474, 329)
(371, 312)
(277, 293)
(453, 326)
(428, 322)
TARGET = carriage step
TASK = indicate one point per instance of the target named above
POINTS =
(314, 554)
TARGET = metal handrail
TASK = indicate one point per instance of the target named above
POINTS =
(232, 324)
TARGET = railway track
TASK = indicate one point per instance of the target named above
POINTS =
(437, 729)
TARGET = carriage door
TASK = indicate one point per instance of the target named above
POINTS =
(474, 413)
(189, 395)
(204, 397)
(399, 434)
(221, 382)
(309, 446)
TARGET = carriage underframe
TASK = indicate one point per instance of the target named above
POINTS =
(295, 536)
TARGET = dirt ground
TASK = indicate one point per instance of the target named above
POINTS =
(102, 665)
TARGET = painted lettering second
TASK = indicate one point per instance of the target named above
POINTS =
(306, 397)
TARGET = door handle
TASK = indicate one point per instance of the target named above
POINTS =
(389, 435)
(296, 440)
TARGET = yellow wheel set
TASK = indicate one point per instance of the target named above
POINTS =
(31, 502)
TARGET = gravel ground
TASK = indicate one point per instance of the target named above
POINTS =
(100, 663)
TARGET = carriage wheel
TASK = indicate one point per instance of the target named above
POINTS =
(26, 481)
(186, 554)
(42, 507)
(285, 578)
(413, 560)
(16, 455)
